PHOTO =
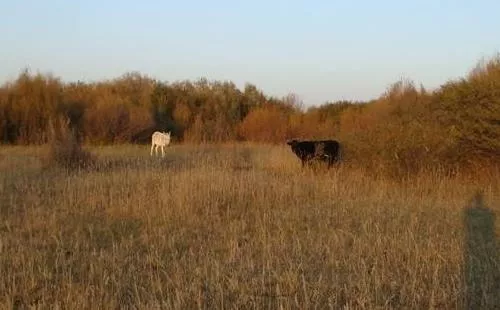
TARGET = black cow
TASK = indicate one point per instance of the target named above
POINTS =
(325, 150)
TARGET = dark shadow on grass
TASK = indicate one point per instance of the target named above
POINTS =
(482, 266)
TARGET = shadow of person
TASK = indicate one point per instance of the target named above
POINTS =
(482, 265)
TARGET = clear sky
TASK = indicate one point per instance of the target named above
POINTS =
(319, 50)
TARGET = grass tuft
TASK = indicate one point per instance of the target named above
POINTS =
(65, 150)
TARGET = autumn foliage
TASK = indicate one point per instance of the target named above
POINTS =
(407, 129)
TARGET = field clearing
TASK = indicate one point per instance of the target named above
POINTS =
(241, 226)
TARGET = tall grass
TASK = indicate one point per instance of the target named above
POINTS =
(240, 226)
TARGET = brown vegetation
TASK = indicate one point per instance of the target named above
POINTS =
(405, 130)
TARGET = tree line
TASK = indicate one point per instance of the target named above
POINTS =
(407, 127)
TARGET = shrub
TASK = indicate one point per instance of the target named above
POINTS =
(64, 148)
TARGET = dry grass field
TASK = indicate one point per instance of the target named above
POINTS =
(241, 226)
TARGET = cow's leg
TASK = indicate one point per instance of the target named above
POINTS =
(152, 147)
(162, 152)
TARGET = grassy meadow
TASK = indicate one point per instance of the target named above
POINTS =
(238, 226)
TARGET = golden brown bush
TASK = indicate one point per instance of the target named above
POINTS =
(269, 123)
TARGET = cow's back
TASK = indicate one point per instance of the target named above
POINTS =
(331, 147)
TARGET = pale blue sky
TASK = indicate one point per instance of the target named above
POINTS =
(320, 50)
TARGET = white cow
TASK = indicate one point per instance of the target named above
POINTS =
(159, 139)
